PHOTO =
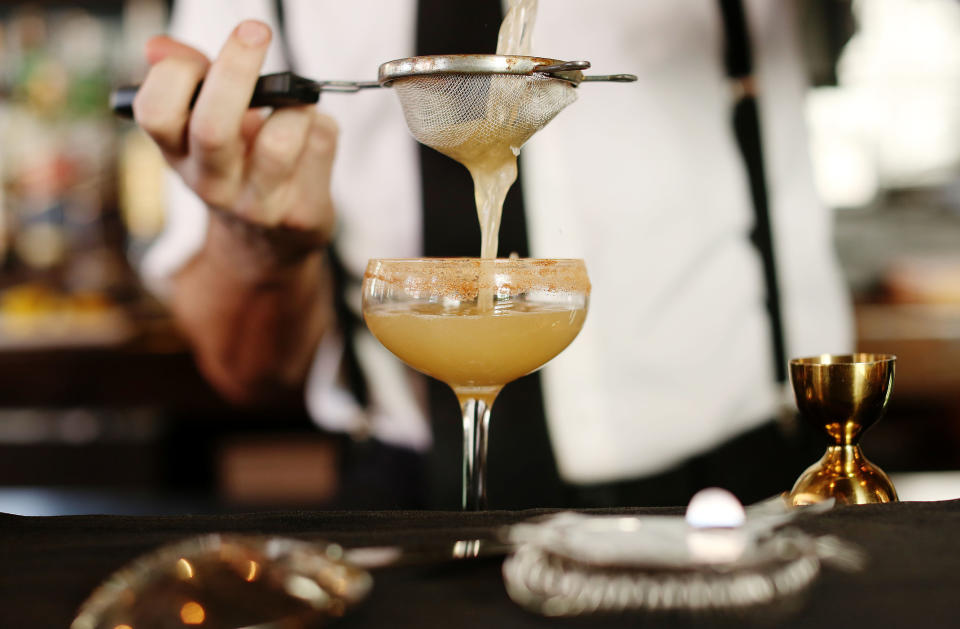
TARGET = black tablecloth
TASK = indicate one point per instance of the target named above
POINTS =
(48, 565)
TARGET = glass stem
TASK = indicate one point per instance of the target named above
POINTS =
(476, 421)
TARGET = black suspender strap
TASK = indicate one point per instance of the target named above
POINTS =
(285, 50)
(746, 124)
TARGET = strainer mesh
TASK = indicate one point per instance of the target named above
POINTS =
(449, 112)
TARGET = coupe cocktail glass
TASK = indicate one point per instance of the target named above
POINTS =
(475, 324)
(843, 395)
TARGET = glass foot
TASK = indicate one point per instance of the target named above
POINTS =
(846, 475)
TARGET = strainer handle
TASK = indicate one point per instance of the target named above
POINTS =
(611, 78)
(283, 89)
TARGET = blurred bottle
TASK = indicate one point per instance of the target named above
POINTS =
(38, 81)
(36, 173)
(79, 185)
(141, 20)
(4, 230)
(89, 142)
(81, 45)
(59, 142)
(141, 189)
(141, 166)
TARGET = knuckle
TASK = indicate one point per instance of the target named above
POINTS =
(277, 151)
(327, 123)
(161, 123)
(180, 67)
(148, 110)
(324, 135)
(190, 66)
(213, 191)
(145, 111)
(158, 99)
(207, 134)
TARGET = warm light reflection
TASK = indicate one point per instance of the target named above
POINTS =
(307, 590)
(123, 627)
(253, 572)
(184, 569)
(192, 613)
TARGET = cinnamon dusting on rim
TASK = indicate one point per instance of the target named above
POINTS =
(464, 278)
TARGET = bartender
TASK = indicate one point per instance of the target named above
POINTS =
(675, 381)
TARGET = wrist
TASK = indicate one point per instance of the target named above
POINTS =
(257, 252)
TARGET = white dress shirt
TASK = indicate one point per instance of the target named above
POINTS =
(644, 181)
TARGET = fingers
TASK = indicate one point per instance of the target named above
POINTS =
(252, 121)
(278, 145)
(316, 163)
(313, 177)
(162, 104)
(272, 170)
(218, 115)
(160, 47)
(288, 171)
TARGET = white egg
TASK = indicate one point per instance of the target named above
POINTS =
(715, 508)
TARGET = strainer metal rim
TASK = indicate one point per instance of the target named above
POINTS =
(469, 64)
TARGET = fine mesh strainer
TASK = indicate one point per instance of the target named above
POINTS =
(449, 101)
(458, 103)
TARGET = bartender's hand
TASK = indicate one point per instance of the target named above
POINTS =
(270, 171)
(257, 297)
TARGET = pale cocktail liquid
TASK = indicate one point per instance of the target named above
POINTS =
(475, 352)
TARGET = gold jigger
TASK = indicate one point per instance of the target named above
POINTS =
(843, 395)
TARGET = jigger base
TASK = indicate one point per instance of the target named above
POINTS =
(846, 475)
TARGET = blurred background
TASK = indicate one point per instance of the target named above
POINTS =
(101, 406)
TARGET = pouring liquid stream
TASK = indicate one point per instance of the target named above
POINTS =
(492, 162)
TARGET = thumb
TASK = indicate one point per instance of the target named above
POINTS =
(160, 47)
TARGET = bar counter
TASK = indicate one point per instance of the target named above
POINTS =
(48, 566)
